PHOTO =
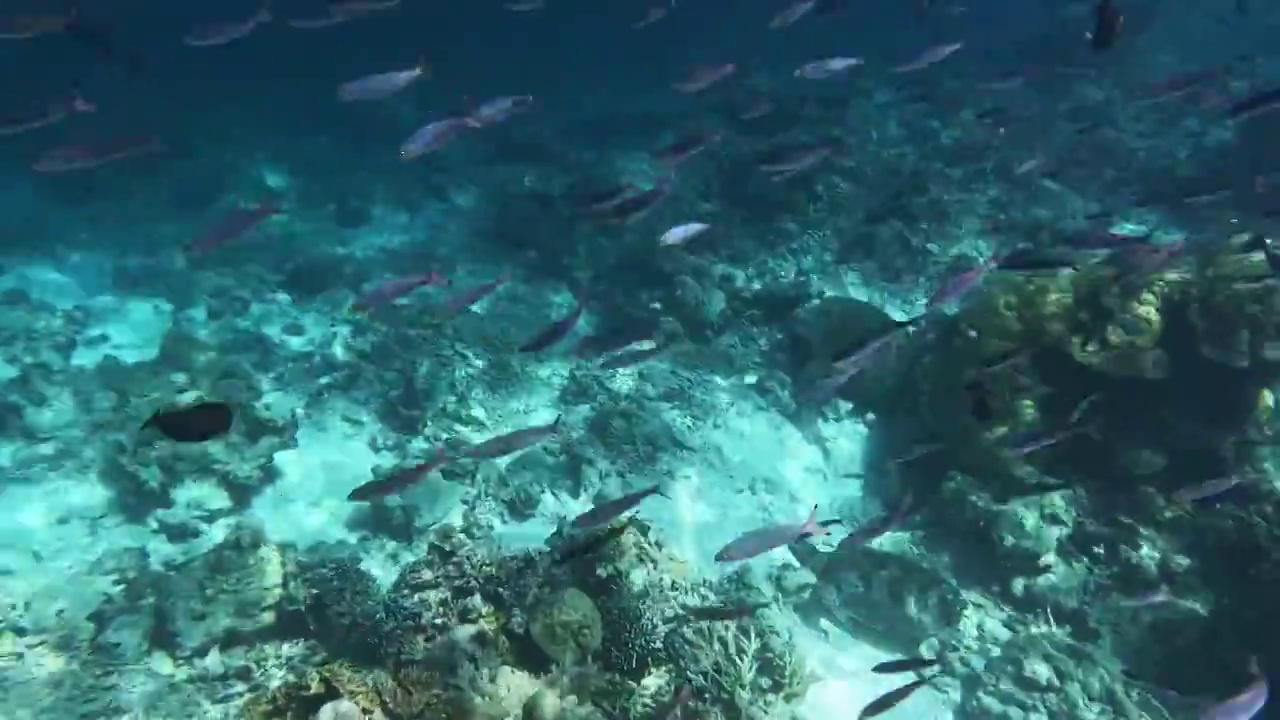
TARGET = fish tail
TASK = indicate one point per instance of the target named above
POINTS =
(555, 424)
(811, 526)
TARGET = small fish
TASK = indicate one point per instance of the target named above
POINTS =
(853, 360)
(393, 290)
(827, 67)
(760, 107)
(1023, 444)
(638, 204)
(891, 699)
(225, 32)
(651, 16)
(762, 540)
(684, 148)
(397, 481)
(319, 22)
(361, 7)
(883, 523)
(1107, 22)
(51, 112)
(958, 286)
(553, 333)
(789, 15)
(606, 512)
(233, 226)
(724, 613)
(683, 233)
(930, 56)
(600, 201)
(69, 158)
(1030, 259)
(466, 298)
(381, 86)
(910, 664)
(196, 423)
(25, 27)
(524, 6)
(433, 136)
(512, 442)
(499, 109)
(788, 160)
(704, 77)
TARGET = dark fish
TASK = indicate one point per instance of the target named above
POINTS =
(638, 204)
(98, 39)
(593, 544)
(1028, 259)
(512, 442)
(397, 481)
(606, 512)
(684, 148)
(910, 664)
(981, 407)
(1107, 22)
(1254, 104)
(193, 423)
(718, 613)
(674, 708)
(466, 298)
(553, 333)
(237, 223)
(891, 699)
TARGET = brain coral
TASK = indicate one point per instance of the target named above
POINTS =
(567, 626)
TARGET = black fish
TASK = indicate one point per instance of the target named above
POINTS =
(910, 664)
(891, 699)
(553, 333)
(1254, 104)
(593, 544)
(512, 442)
(712, 613)
(1028, 259)
(194, 423)
(978, 394)
(1107, 22)
(98, 39)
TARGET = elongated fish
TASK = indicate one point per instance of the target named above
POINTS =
(553, 333)
(902, 665)
(891, 699)
(512, 442)
(398, 481)
(762, 540)
(609, 510)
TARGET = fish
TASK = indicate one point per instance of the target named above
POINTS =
(1245, 705)
(594, 543)
(910, 664)
(599, 201)
(499, 109)
(399, 480)
(1029, 259)
(25, 27)
(789, 15)
(512, 442)
(433, 136)
(381, 86)
(630, 357)
(638, 204)
(724, 613)
(673, 709)
(684, 148)
(606, 512)
(233, 226)
(466, 298)
(1253, 104)
(394, 289)
(50, 112)
(1107, 22)
(524, 6)
(225, 32)
(958, 286)
(1022, 444)
(553, 333)
(1210, 488)
(761, 540)
(855, 359)
(891, 699)
(196, 423)
(69, 158)
(827, 67)
(930, 56)
(651, 16)
(98, 39)
(883, 523)
(683, 233)
(704, 77)
(318, 22)
(787, 160)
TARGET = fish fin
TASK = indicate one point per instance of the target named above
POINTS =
(809, 557)
(811, 528)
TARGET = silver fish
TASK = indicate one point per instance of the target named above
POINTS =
(606, 512)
